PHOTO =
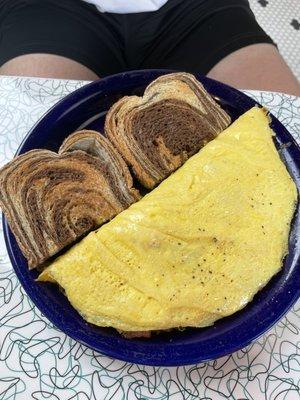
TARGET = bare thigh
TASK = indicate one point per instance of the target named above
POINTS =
(258, 66)
(47, 66)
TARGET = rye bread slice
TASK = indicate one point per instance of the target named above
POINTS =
(51, 199)
(158, 132)
(95, 144)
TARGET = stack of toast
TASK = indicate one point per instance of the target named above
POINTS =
(52, 199)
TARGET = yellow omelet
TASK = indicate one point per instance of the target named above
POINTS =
(195, 249)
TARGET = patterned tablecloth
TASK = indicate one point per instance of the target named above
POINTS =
(37, 361)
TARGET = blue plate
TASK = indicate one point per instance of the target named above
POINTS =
(86, 108)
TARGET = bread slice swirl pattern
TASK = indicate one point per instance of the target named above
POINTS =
(51, 199)
(97, 145)
(158, 132)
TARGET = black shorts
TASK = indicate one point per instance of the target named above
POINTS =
(187, 35)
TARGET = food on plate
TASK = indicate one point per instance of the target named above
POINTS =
(158, 132)
(51, 199)
(196, 248)
(93, 143)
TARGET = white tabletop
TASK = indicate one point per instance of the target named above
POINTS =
(37, 361)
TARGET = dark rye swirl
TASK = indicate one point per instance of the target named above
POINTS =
(158, 132)
(51, 200)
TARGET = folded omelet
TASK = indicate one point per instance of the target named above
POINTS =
(195, 249)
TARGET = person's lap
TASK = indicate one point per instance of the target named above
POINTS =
(71, 39)
(47, 65)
